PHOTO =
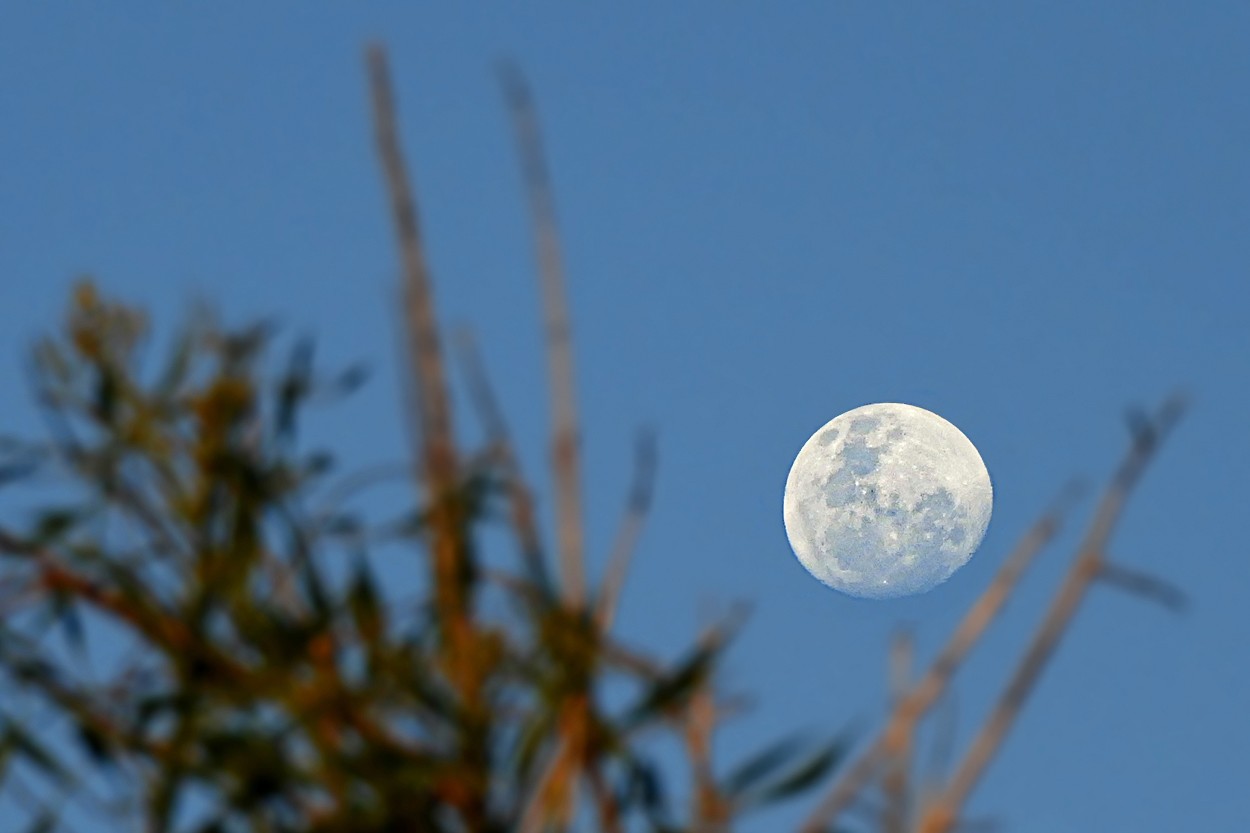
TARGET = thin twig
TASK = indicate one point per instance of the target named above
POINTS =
(606, 805)
(710, 809)
(437, 449)
(552, 802)
(909, 711)
(1145, 585)
(941, 751)
(636, 508)
(433, 408)
(898, 767)
(520, 499)
(438, 467)
(565, 440)
(942, 816)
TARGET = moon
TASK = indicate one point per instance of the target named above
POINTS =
(887, 500)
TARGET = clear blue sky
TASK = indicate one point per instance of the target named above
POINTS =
(1023, 216)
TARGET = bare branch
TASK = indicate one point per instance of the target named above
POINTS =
(439, 468)
(909, 711)
(898, 765)
(709, 808)
(941, 751)
(1145, 585)
(636, 508)
(1088, 565)
(565, 456)
(433, 408)
(519, 496)
(606, 805)
(552, 801)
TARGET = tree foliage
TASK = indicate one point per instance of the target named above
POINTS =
(271, 684)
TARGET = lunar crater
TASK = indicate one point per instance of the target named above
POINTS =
(886, 500)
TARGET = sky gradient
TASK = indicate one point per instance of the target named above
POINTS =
(1024, 217)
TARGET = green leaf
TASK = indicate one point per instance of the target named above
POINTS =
(351, 379)
(644, 786)
(67, 615)
(294, 388)
(175, 373)
(760, 766)
(342, 526)
(529, 741)
(52, 524)
(35, 753)
(97, 746)
(675, 688)
(19, 460)
(45, 822)
(362, 601)
(107, 389)
(33, 670)
(806, 774)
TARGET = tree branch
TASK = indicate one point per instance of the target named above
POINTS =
(944, 813)
(911, 708)
(636, 508)
(565, 440)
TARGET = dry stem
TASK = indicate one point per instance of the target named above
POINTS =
(636, 508)
(944, 813)
(519, 497)
(898, 773)
(559, 348)
(910, 709)
(439, 469)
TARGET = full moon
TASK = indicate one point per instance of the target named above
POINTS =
(887, 500)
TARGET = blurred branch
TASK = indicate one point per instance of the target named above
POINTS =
(943, 815)
(565, 440)
(914, 706)
(520, 499)
(1143, 584)
(897, 777)
(462, 655)
(606, 805)
(552, 802)
(433, 408)
(710, 810)
(636, 508)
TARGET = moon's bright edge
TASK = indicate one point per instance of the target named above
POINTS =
(887, 500)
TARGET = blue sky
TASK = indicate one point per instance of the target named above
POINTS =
(1025, 217)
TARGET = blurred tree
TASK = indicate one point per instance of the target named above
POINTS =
(264, 694)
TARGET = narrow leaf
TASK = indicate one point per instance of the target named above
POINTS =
(34, 751)
(808, 773)
(674, 688)
(760, 766)
(45, 822)
(363, 604)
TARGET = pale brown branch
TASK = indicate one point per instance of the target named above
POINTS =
(438, 469)
(606, 805)
(534, 814)
(520, 499)
(898, 765)
(943, 815)
(552, 801)
(636, 508)
(433, 407)
(935, 680)
(902, 653)
(941, 751)
(710, 809)
(565, 440)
